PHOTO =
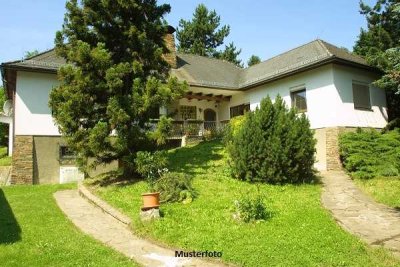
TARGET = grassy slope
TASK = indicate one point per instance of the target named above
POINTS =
(301, 232)
(34, 232)
(4, 159)
(384, 189)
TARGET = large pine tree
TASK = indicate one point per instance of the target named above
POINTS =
(115, 76)
(203, 36)
(253, 60)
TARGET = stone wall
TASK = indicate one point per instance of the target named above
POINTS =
(332, 146)
(332, 149)
(22, 160)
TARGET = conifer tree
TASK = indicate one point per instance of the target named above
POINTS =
(114, 77)
(201, 35)
(253, 60)
(273, 145)
(231, 54)
(380, 43)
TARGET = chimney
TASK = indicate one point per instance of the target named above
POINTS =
(170, 44)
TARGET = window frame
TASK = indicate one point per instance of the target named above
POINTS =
(294, 102)
(68, 155)
(181, 115)
(242, 108)
(365, 108)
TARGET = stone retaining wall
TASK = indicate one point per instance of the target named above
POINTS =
(22, 160)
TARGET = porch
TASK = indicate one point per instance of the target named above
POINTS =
(200, 112)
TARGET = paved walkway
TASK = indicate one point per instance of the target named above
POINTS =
(108, 230)
(374, 223)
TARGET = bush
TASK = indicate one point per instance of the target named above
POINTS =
(274, 145)
(175, 187)
(369, 154)
(151, 165)
(162, 131)
(249, 209)
(232, 128)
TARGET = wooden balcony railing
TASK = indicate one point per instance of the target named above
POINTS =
(193, 127)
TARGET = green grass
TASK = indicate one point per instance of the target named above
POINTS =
(34, 232)
(300, 233)
(383, 189)
(5, 160)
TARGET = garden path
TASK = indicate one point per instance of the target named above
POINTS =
(374, 223)
(105, 228)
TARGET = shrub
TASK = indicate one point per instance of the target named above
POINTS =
(232, 128)
(175, 187)
(151, 165)
(162, 131)
(274, 145)
(369, 154)
(249, 209)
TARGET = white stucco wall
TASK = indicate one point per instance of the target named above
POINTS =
(320, 90)
(32, 112)
(346, 115)
(328, 88)
(329, 97)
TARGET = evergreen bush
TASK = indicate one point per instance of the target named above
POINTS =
(175, 187)
(369, 154)
(274, 145)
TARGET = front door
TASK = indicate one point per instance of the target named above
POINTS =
(210, 115)
(210, 118)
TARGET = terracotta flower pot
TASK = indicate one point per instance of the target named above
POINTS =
(151, 200)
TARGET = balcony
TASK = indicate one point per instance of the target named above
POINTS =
(192, 128)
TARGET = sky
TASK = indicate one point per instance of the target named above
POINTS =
(265, 28)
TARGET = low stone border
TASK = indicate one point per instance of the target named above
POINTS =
(104, 206)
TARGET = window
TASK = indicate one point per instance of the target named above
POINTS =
(66, 153)
(239, 110)
(188, 112)
(361, 96)
(299, 100)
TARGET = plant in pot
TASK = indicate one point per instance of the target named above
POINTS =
(151, 166)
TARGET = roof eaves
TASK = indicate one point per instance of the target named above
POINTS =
(215, 85)
(290, 68)
(28, 68)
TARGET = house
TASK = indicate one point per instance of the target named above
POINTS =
(330, 85)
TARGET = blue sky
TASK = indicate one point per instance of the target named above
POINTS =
(265, 28)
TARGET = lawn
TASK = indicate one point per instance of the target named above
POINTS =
(34, 232)
(300, 233)
(383, 189)
(5, 160)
